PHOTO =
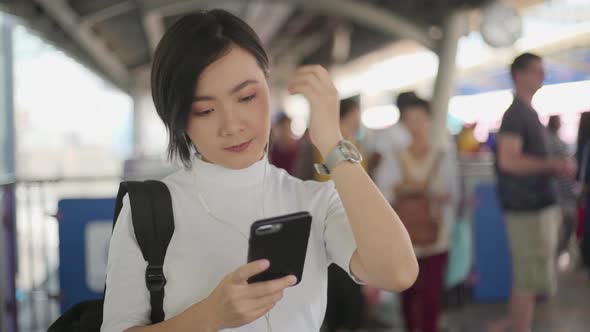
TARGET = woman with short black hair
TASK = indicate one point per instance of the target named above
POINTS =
(209, 85)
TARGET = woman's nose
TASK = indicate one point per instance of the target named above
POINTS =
(231, 122)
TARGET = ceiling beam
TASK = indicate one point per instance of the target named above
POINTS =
(269, 18)
(266, 26)
(178, 8)
(156, 11)
(283, 68)
(295, 28)
(153, 24)
(69, 20)
(107, 13)
(360, 12)
(368, 15)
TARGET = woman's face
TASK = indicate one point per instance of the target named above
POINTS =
(417, 121)
(229, 122)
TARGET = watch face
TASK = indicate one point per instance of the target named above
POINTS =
(350, 151)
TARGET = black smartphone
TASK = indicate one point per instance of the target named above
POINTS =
(283, 241)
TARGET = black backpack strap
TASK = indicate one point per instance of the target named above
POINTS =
(153, 224)
(119, 201)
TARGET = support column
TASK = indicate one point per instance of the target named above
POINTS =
(8, 313)
(138, 125)
(150, 137)
(444, 85)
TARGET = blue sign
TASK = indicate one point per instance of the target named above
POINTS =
(493, 262)
(84, 233)
(567, 66)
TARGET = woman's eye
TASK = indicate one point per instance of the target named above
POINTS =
(248, 98)
(202, 113)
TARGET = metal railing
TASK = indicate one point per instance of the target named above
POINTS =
(37, 243)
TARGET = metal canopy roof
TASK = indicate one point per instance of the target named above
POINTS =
(116, 37)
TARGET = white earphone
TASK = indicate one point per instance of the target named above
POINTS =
(205, 206)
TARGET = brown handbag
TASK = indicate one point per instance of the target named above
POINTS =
(418, 211)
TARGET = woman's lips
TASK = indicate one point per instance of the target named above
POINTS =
(239, 147)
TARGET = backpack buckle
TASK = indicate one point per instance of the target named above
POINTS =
(154, 278)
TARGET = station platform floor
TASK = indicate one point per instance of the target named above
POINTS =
(568, 311)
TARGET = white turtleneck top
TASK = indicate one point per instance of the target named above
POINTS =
(203, 250)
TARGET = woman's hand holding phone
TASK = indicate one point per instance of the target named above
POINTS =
(236, 303)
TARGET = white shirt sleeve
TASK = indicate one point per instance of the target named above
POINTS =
(338, 237)
(127, 300)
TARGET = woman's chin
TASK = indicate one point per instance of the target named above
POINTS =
(241, 161)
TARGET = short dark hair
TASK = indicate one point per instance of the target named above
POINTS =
(348, 105)
(190, 45)
(522, 62)
(406, 100)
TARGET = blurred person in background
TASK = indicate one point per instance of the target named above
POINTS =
(425, 168)
(305, 158)
(524, 180)
(466, 141)
(583, 159)
(283, 150)
(565, 189)
(385, 141)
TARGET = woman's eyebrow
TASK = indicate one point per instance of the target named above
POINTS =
(232, 91)
(242, 85)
